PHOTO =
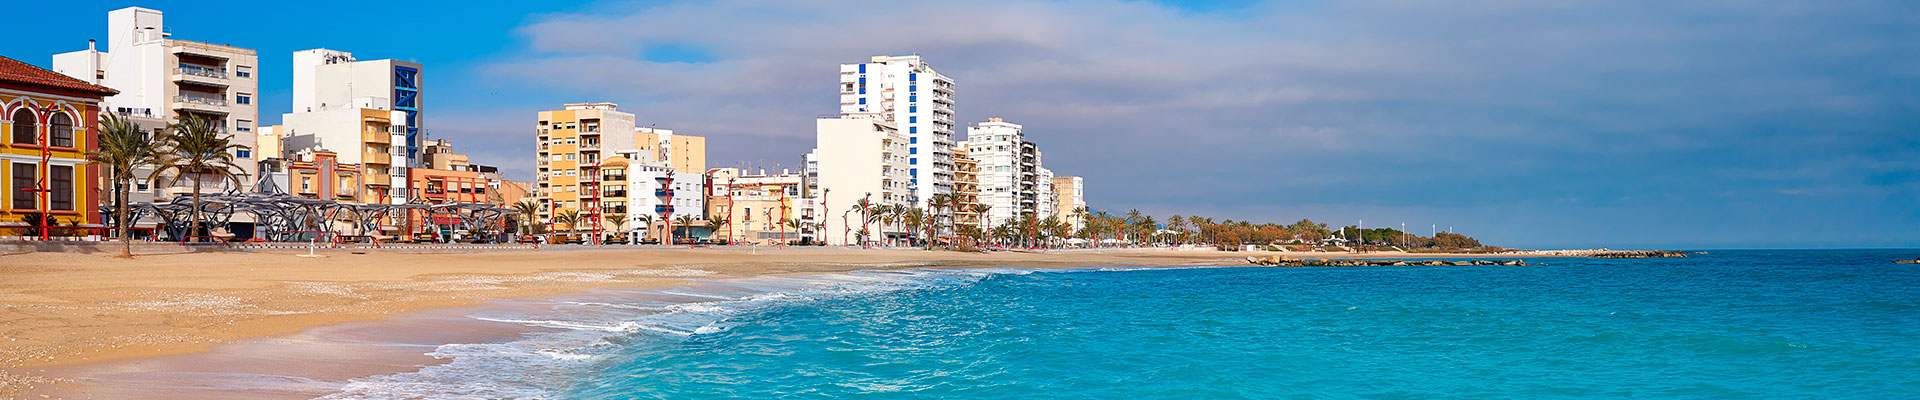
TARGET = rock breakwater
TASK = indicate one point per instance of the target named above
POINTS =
(1286, 262)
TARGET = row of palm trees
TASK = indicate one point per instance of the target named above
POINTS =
(188, 146)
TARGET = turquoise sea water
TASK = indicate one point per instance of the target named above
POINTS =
(1730, 324)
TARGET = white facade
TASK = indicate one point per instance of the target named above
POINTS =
(1009, 168)
(858, 158)
(160, 79)
(908, 93)
(326, 79)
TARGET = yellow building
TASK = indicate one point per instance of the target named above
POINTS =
(572, 144)
(593, 163)
(48, 130)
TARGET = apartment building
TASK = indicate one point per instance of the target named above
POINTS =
(43, 147)
(160, 79)
(1009, 170)
(859, 158)
(593, 160)
(966, 186)
(1069, 193)
(572, 142)
(906, 92)
(325, 79)
(361, 134)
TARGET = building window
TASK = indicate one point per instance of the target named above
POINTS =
(23, 127)
(913, 109)
(913, 140)
(243, 125)
(863, 68)
(914, 150)
(863, 80)
(913, 120)
(243, 71)
(913, 98)
(913, 77)
(863, 100)
(913, 161)
(62, 131)
(913, 88)
(243, 153)
(243, 98)
(863, 90)
(23, 180)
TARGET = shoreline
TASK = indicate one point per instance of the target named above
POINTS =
(123, 314)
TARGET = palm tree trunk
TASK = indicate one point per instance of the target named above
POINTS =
(120, 214)
(196, 208)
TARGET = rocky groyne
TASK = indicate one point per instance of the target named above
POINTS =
(1913, 261)
(1286, 262)
(1638, 254)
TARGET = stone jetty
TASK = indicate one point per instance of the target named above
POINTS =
(1638, 254)
(1286, 262)
(1913, 261)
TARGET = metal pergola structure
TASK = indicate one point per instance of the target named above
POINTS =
(282, 217)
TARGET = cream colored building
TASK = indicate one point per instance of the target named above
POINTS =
(161, 78)
(1069, 195)
(757, 207)
(859, 158)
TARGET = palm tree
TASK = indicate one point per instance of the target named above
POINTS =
(529, 212)
(196, 147)
(122, 149)
(713, 225)
(866, 208)
(619, 222)
(568, 218)
(646, 223)
(686, 222)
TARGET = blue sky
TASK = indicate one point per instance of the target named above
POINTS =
(1708, 124)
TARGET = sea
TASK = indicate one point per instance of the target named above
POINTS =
(1732, 324)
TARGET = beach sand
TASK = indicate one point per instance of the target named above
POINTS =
(71, 319)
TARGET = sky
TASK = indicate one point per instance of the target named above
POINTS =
(1534, 124)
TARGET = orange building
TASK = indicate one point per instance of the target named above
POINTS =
(49, 128)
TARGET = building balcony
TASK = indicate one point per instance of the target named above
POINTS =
(663, 178)
(345, 192)
(621, 178)
(662, 208)
(197, 75)
(206, 104)
(614, 210)
(663, 193)
(616, 193)
(376, 137)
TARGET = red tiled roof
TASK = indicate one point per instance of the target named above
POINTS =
(15, 71)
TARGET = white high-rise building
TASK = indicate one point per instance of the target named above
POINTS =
(859, 159)
(908, 93)
(161, 79)
(330, 79)
(1009, 170)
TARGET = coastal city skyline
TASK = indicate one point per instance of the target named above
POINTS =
(1335, 143)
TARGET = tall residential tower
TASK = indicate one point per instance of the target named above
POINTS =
(908, 94)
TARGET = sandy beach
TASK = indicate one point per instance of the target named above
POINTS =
(84, 313)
